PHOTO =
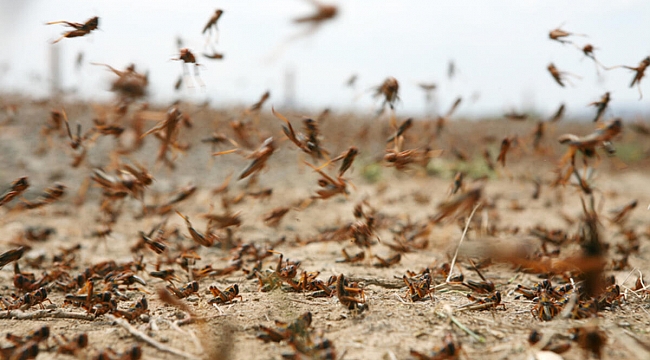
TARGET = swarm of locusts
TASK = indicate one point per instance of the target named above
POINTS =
(254, 233)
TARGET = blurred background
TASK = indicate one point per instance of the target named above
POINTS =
(499, 50)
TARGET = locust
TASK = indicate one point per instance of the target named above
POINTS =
(79, 29)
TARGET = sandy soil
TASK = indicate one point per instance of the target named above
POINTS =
(393, 325)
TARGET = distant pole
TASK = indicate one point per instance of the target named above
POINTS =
(290, 88)
(55, 70)
(431, 103)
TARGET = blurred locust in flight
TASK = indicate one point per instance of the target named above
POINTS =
(241, 127)
(640, 73)
(401, 159)
(309, 143)
(407, 124)
(206, 240)
(442, 120)
(130, 84)
(559, 76)
(17, 187)
(538, 135)
(348, 159)
(214, 56)
(212, 23)
(48, 196)
(588, 51)
(79, 29)
(323, 12)
(601, 106)
(558, 35)
(330, 186)
(187, 57)
(166, 130)
(559, 114)
(388, 89)
(259, 156)
(258, 105)
(459, 204)
(347, 156)
(587, 145)
(505, 146)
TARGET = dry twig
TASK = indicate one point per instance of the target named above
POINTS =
(144, 337)
(41, 314)
(453, 261)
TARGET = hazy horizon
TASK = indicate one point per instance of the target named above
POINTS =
(500, 48)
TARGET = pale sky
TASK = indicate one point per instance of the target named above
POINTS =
(500, 47)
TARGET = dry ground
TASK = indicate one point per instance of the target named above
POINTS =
(392, 326)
